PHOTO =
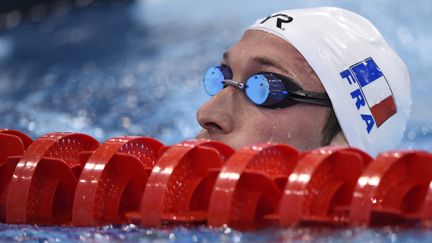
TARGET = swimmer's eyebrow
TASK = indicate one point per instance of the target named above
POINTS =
(265, 61)
(225, 57)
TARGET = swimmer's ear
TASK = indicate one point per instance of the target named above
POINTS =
(339, 140)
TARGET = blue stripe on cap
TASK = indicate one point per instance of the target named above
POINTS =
(366, 72)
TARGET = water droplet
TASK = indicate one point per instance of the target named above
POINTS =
(424, 130)
(289, 135)
(126, 123)
(31, 126)
(404, 35)
(411, 135)
(128, 80)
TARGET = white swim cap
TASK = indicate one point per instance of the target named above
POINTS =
(367, 82)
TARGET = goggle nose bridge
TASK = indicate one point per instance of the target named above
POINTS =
(234, 83)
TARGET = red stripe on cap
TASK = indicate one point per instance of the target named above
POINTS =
(384, 110)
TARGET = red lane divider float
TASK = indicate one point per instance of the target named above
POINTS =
(180, 184)
(12, 147)
(249, 186)
(393, 189)
(43, 183)
(320, 188)
(70, 179)
(113, 180)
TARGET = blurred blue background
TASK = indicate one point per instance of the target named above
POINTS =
(110, 68)
(117, 67)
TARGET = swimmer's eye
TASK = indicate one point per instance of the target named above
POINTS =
(226, 70)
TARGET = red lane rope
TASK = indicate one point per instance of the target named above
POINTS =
(12, 147)
(392, 189)
(320, 188)
(113, 180)
(42, 185)
(247, 186)
(180, 184)
(70, 179)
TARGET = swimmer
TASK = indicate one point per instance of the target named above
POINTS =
(308, 78)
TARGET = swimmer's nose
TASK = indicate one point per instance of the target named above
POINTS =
(212, 127)
(216, 116)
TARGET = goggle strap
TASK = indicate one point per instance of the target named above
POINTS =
(310, 97)
(310, 94)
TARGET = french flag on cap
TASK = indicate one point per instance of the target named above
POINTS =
(375, 89)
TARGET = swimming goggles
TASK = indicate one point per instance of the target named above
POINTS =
(263, 89)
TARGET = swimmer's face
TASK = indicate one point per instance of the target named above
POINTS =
(230, 117)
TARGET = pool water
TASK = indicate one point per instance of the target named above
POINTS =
(135, 67)
(133, 233)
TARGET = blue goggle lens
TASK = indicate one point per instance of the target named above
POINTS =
(213, 80)
(258, 89)
(265, 90)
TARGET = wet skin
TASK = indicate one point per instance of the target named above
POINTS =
(230, 117)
